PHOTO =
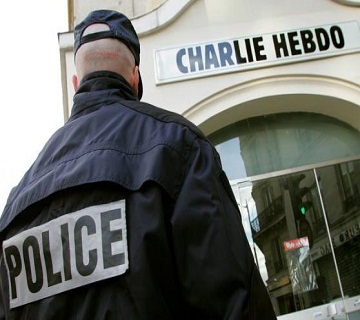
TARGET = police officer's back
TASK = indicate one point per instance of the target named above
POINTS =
(126, 212)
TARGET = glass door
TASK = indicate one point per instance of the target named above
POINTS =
(304, 230)
(339, 185)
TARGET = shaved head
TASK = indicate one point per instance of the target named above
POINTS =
(105, 55)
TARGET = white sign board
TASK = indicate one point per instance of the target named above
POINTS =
(250, 52)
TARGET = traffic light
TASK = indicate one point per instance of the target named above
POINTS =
(297, 193)
(300, 207)
(305, 206)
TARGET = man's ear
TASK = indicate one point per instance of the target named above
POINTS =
(75, 82)
(136, 79)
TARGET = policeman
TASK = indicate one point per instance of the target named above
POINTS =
(126, 213)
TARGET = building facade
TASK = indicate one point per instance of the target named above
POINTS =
(275, 85)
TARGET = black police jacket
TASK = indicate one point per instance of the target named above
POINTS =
(126, 214)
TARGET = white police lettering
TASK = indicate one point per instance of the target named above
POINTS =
(73, 250)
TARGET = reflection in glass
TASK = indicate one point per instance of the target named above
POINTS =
(304, 227)
(340, 191)
(288, 227)
(281, 141)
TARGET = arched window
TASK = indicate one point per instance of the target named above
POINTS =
(281, 141)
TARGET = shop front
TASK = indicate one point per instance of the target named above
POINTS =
(276, 88)
(296, 179)
(285, 119)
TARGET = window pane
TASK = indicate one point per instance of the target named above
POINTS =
(287, 233)
(340, 191)
(282, 141)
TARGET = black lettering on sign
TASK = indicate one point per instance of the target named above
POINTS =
(13, 262)
(32, 262)
(74, 250)
(296, 43)
(111, 237)
(85, 222)
(249, 51)
(53, 278)
(64, 231)
(219, 55)
(307, 39)
(239, 58)
(259, 49)
(323, 39)
(280, 45)
(337, 37)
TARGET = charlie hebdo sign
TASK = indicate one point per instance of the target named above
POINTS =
(250, 52)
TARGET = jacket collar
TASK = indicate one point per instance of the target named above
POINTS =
(98, 89)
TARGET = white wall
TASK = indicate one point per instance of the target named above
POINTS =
(335, 76)
(203, 99)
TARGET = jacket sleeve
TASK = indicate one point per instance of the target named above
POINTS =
(217, 272)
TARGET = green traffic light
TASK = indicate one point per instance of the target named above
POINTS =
(303, 210)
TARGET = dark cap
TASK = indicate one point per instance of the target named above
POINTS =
(121, 29)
